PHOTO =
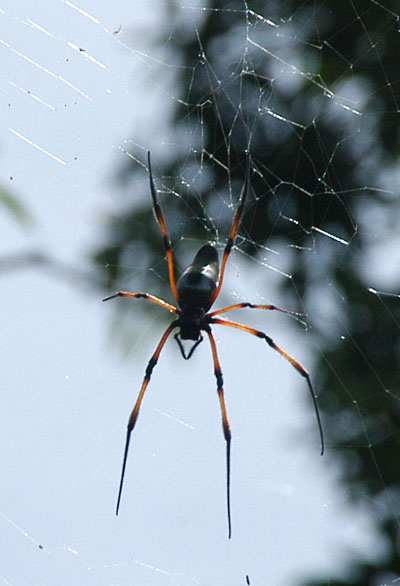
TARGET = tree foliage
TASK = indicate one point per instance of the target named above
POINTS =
(323, 156)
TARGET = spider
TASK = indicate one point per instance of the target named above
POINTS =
(195, 292)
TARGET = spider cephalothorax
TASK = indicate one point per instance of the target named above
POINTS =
(195, 293)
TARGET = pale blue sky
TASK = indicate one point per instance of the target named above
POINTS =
(67, 392)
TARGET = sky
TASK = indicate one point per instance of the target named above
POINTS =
(80, 83)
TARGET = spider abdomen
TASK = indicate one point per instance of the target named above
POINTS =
(195, 290)
(197, 284)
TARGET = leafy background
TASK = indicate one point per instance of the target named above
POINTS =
(329, 167)
(310, 89)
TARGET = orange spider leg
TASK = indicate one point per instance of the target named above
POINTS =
(147, 296)
(234, 228)
(134, 415)
(253, 306)
(225, 424)
(288, 357)
(167, 242)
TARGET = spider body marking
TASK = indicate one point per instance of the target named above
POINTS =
(196, 288)
(195, 293)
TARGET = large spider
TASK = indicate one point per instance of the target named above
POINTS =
(195, 293)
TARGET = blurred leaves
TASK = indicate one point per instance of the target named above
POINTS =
(15, 208)
(311, 88)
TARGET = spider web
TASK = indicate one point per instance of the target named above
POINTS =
(310, 90)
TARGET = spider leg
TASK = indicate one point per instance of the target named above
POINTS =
(253, 306)
(225, 424)
(234, 228)
(134, 415)
(161, 221)
(147, 296)
(288, 357)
